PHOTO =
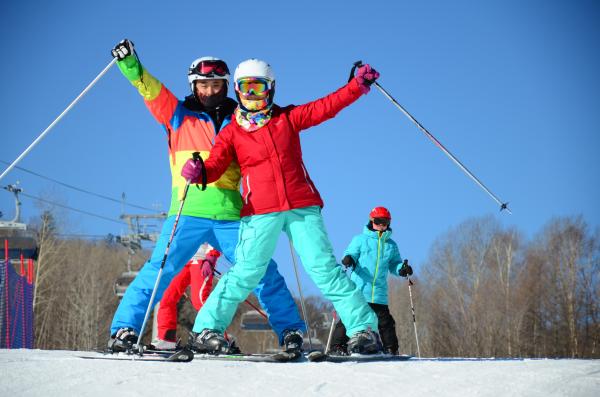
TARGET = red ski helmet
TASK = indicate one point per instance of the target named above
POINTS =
(380, 212)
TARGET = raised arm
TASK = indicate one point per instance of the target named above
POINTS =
(315, 112)
(159, 100)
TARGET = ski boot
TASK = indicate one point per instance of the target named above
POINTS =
(168, 343)
(293, 341)
(365, 342)
(123, 340)
(209, 341)
(160, 344)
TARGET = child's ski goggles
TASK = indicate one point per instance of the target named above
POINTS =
(253, 86)
(381, 221)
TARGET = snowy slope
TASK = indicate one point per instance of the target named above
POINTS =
(62, 373)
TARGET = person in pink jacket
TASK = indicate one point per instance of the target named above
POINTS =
(278, 195)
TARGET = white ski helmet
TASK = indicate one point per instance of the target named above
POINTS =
(208, 68)
(254, 68)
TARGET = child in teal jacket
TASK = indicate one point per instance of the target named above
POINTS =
(371, 255)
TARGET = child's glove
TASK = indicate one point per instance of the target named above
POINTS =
(209, 264)
(405, 270)
(348, 261)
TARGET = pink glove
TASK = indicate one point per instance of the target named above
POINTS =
(207, 269)
(209, 264)
(192, 171)
(366, 75)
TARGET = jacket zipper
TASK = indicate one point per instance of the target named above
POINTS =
(376, 269)
(248, 188)
(306, 178)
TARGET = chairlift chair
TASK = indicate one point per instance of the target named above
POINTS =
(123, 282)
(252, 320)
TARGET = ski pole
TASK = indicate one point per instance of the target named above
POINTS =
(330, 332)
(413, 315)
(301, 295)
(197, 157)
(503, 206)
(41, 136)
(263, 314)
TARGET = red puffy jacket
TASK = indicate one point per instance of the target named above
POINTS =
(274, 177)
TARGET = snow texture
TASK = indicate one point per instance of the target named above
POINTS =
(63, 373)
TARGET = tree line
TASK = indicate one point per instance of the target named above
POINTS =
(485, 291)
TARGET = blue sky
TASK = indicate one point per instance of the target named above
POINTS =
(511, 88)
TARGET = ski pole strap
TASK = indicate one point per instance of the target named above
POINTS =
(196, 156)
(356, 64)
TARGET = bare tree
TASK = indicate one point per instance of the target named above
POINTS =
(566, 259)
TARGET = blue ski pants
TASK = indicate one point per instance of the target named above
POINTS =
(271, 291)
(258, 239)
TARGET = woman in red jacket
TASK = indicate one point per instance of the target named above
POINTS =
(278, 195)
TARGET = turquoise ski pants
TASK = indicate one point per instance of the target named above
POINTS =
(258, 239)
(272, 293)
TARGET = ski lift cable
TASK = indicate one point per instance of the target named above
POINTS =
(73, 209)
(81, 190)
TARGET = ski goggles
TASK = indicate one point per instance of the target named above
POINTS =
(253, 86)
(381, 221)
(211, 68)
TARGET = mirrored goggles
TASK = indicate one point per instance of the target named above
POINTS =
(253, 86)
(381, 221)
(211, 68)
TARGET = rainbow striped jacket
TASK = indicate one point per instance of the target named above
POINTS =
(187, 131)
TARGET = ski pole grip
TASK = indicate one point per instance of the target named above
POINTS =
(196, 156)
(356, 64)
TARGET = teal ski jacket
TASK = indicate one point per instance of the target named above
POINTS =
(375, 255)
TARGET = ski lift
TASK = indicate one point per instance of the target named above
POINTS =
(125, 278)
(254, 321)
(123, 282)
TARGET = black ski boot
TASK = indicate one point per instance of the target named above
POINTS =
(365, 342)
(293, 341)
(209, 341)
(123, 340)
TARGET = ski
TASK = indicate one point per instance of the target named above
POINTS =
(279, 357)
(179, 356)
(319, 356)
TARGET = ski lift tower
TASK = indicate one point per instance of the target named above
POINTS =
(138, 232)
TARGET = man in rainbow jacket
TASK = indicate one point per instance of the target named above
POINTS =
(278, 196)
(208, 216)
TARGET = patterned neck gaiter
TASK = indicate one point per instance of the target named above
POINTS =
(252, 121)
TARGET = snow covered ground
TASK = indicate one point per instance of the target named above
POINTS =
(63, 373)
